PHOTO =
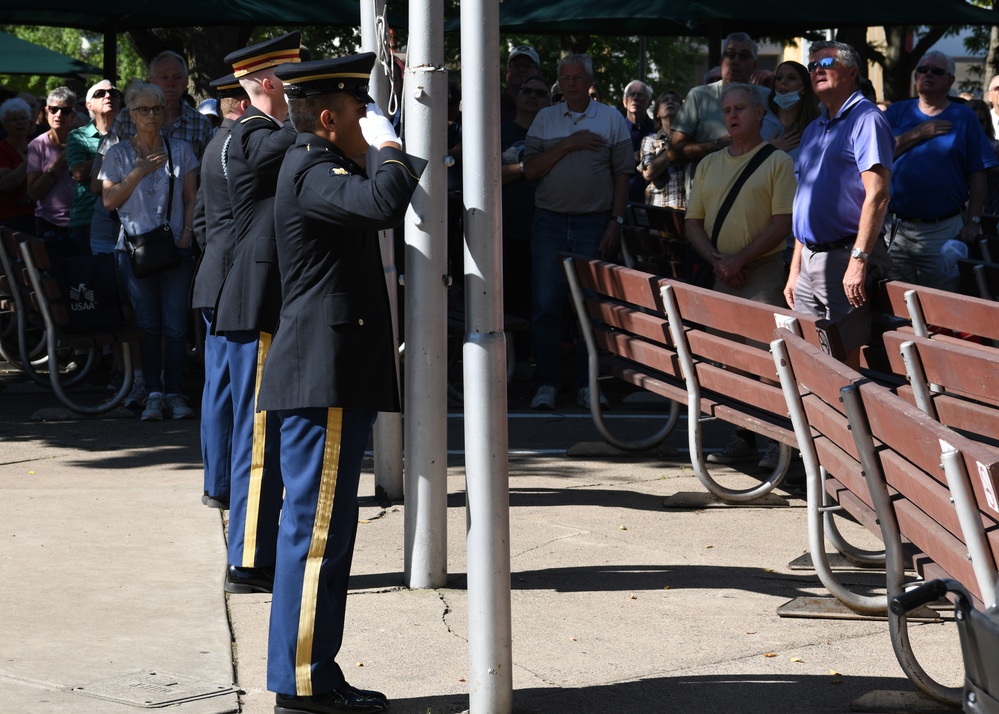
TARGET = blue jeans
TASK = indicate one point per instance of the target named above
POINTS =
(162, 304)
(552, 233)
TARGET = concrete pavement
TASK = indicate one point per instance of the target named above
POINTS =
(111, 571)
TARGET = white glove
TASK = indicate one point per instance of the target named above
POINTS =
(376, 128)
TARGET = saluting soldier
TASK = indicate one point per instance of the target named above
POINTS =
(331, 367)
(247, 309)
(214, 231)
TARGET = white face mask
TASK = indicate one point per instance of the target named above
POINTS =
(787, 101)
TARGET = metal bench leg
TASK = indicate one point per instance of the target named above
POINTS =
(894, 557)
(815, 488)
(697, 460)
(593, 365)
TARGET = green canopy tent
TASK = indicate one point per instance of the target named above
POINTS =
(19, 56)
(763, 18)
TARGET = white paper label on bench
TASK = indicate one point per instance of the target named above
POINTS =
(788, 322)
(990, 494)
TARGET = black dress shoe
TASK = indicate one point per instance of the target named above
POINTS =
(220, 502)
(344, 698)
(249, 580)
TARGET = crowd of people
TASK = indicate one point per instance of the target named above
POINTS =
(795, 189)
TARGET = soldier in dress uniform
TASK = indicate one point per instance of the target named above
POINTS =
(332, 365)
(247, 309)
(213, 229)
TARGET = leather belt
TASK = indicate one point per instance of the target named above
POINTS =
(944, 217)
(845, 242)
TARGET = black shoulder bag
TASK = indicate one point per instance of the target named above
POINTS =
(156, 251)
(699, 271)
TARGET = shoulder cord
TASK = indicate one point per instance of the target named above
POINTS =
(225, 156)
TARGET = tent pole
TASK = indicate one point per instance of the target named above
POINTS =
(425, 97)
(487, 519)
(110, 64)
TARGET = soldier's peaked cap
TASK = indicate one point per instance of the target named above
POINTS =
(269, 53)
(227, 86)
(349, 74)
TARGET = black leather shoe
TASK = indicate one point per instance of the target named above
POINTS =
(220, 502)
(249, 580)
(344, 698)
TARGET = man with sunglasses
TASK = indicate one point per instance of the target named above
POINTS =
(843, 169)
(939, 181)
(103, 103)
(699, 127)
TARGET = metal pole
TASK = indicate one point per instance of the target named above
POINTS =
(388, 426)
(426, 302)
(490, 658)
(111, 51)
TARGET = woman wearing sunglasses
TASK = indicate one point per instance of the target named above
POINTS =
(103, 102)
(49, 182)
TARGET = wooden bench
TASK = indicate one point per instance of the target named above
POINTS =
(880, 457)
(953, 381)
(46, 306)
(693, 346)
(927, 308)
(653, 239)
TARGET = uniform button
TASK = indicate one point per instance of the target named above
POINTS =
(360, 322)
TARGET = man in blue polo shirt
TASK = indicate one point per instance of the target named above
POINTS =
(941, 160)
(843, 171)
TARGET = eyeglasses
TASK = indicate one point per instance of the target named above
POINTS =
(744, 56)
(101, 93)
(575, 79)
(65, 111)
(540, 93)
(146, 111)
(824, 63)
(926, 69)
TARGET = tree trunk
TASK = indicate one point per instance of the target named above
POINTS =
(204, 48)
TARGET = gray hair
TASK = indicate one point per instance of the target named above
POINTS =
(140, 90)
(583, 59)
(646, 89)
(754, 97)
(937, 54)
(741, 37)
(15, 104)
(844, 52)
(166, 54)
(61, 94)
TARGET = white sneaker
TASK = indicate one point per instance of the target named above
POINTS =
(583, 398)
(177, 404)
(545, 398)
(137, 397)
(154, 408)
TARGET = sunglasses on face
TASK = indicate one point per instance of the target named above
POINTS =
(824, 63)
(65, 111)
(540, 93)
(101, 93)
(926, 69)
(146, 111)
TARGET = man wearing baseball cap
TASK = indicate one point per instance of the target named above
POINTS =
(331, 367)
(522, 64)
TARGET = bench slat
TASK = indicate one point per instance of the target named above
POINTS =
(942, 308)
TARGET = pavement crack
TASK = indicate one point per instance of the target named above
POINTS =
(444, 615)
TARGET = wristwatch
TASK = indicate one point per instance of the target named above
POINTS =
(619, 219)
(859, 255)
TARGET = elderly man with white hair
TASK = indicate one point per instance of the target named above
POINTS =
(103, 104)
(637, 98)
(939, 181)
